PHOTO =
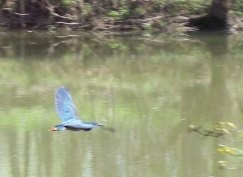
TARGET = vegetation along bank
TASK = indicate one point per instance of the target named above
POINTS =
(122, 15)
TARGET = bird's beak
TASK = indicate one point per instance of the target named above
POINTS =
(53, 129)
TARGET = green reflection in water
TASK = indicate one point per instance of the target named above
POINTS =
(149, 91)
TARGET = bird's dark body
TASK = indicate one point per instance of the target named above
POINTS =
(77, 129)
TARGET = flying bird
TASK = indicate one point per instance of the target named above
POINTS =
(68, 114)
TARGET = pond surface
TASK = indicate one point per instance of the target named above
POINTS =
(148, 90)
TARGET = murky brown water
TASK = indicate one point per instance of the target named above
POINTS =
(148, 91)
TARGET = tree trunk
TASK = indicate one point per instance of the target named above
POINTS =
(217, 17)
(22, 16)
(220, 8)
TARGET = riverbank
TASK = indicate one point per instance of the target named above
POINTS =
(112, 16)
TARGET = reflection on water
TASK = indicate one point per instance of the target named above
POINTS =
(148, 91)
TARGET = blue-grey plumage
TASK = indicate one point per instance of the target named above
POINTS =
(68, 114)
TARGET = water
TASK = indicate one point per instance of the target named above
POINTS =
(149, 91)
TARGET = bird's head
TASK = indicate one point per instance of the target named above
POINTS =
(57, 128)
(53, 129)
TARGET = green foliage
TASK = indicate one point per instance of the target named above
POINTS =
(147, 29)
(67, 2)
(119, 14)
(116, 45)
(87, 10)
(238, 8)
(187, 7)
(140, 10)
(114, 14)
(124, 12)
(147, 26)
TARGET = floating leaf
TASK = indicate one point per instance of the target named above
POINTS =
(229, 150)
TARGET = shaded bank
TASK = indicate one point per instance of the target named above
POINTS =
(116, 16)
(217, 18)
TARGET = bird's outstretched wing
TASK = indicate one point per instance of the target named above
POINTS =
(65, 107)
